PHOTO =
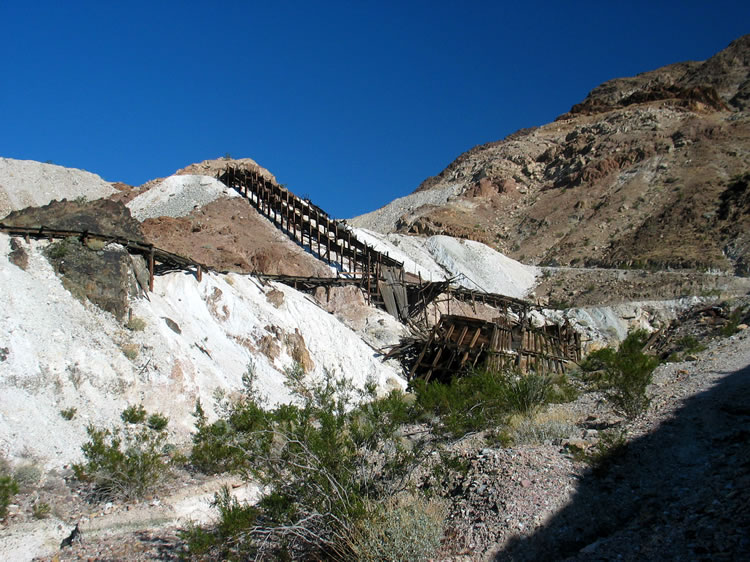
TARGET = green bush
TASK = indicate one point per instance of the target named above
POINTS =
(611, 446)
(133, 414)
(136, 324)
(58, 250)
(125, 462)
(68, 413)
(532, 432)
(235, 519)
(409, 529)
(40, 510)
(27, 476)
(8, 488)
(322, 461)
(690, 344)
(734, 320)
(625, 374)
(480, 400)
(157, 422)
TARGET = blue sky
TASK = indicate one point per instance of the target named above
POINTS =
(351, 103)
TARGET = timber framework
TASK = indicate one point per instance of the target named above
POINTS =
(459, 343)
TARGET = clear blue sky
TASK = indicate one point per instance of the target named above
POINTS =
(352, 103)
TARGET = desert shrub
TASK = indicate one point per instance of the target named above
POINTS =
(133, 414)
(40, 510)
(235, 519)
(690, 344)
(530, 431)
(525, 394)
(58, 250)
(27, 476)
(324, 462)
(157, 422)
(733, 322)
(562, 390)
(68, 413)
(124, 462)
(625, 374)
(611, 446)
(130, 350)
(136, 324)
(480, 400)
(405, 529)
(8, 488)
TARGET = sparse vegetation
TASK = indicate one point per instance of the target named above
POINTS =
(735, 319)
(157, 422)
(407, 528)
(480, 400)
(326, 464)
(68, 413)
(27, 476)
(40, 510)
(124, 462)
(537, 430)
(333, 463)
(130, 350)
(624, 374)
(136, 324)
(611, 445)
(8, 488)
(133, 414)
(57, 250)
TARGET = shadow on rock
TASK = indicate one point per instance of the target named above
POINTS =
(680, 492)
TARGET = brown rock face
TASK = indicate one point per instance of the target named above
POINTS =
(643, 173)
(229, 235)
(102, 216)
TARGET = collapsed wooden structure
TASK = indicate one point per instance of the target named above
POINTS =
(458, 343)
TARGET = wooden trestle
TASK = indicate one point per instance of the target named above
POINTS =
(307, 224)
(455, 343)
(159, 261)
(458, 343)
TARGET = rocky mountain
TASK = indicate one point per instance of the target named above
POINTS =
(648, 171)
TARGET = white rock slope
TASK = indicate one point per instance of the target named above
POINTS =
(58, 353)
(25, 183)
(473, 265)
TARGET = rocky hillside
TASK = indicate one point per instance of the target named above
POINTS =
(649, 171)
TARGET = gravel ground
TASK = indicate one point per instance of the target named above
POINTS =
(680, 491)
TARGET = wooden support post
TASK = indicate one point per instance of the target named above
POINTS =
(151, 270)
(199, 274)
(353, 268)
(328, 240)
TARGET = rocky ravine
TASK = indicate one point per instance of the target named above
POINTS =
(679, 492)
(646, 171)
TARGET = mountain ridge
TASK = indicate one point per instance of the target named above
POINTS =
(632, 176)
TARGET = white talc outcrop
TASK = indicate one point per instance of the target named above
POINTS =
(26, 183)
(473, 265)
(58, 353)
